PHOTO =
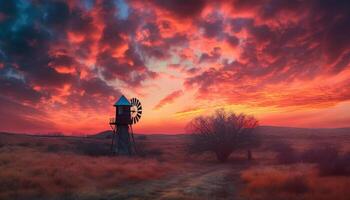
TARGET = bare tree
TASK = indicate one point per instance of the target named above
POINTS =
(223, 133)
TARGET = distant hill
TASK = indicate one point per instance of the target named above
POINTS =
(270, 131)
(103, 135)
(274, 131)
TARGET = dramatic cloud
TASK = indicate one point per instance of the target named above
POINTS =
(182, 8)
(311, 44)
(169, 99)
(66, 62)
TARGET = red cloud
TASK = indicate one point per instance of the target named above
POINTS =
(169, 98)
(71, 56)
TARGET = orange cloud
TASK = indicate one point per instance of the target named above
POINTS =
(169, 99)
(260, 57)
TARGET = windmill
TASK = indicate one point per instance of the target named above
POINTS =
(127, 113)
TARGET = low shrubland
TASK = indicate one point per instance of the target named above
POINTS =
(51, 174)
(328, 159)
(293, 182)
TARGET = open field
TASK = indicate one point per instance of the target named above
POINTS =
(47, 167)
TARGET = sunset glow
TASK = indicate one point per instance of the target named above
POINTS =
(63, 64)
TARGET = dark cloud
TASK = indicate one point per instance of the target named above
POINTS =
(44, 50)
(96, 86)
(63, 59)
(163, 46)
(18, 90)
(237, 24)
(93, 93)
(310, 42)
(273, 8)
(132, 74)
(69, 53)
(232, 40)
(182, 8)
(213, 56)
(81, 22)
(212, 28)
(56, 14)
(154, 33)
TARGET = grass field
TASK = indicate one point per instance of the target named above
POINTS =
(286, 166)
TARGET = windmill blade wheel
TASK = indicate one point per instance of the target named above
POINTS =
(136, 110)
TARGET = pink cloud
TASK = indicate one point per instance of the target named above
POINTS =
(169, 99)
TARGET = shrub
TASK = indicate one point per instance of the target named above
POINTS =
(286, 154)
(94, 149)
(24, 144)
(39, 144)
(337, 166)
(295, 184)
(222, 133)
(53, 148)
(325, 153)
(143, 150)
(328, 160)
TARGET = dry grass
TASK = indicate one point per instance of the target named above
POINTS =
(30, 174)
(294, 168)
(296, 181)
(34, 167)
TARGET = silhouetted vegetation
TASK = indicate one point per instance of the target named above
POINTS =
(223, 133)
(285, 153)
(53, 148)
(337, 166)
(145, 150)
(328, 159)
(319, 154)
(141, 137)
(93, 148)
(24, 144)
(296, 184)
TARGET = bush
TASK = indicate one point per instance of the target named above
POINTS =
(143, 150)
(222, 133)
(94, 149)
(24, 144)
(39, 144)
(53, 148)
(326, 153)
(286, 154)
(338, 166)
(295, 184)
(327, 158)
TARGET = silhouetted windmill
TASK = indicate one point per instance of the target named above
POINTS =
(126, 113)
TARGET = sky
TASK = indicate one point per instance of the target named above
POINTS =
(63, 64)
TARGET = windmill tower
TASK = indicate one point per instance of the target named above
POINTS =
(126, 113)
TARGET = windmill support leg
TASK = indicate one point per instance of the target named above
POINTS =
(112, 145)
(133, 139)
(124, 144)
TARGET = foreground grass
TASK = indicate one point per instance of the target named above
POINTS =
(31, 174)
(34, 167)
(294, 182)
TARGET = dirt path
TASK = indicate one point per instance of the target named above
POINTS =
(199, 182)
